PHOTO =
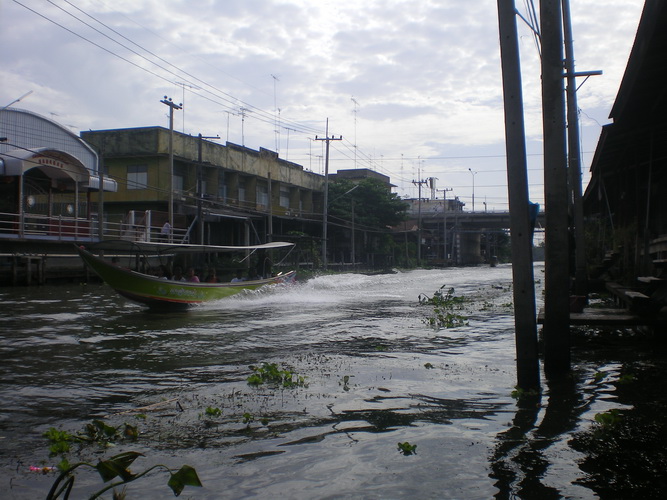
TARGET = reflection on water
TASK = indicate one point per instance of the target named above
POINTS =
(376, 375)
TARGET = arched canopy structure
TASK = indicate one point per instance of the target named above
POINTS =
(65, 171)
(46, 176)
(25, 133)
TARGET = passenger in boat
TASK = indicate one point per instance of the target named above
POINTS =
(253, 275)
(239, 276)
(165, 232)
(162, 272)
(191, 276)
(178, 274)
(212, 277)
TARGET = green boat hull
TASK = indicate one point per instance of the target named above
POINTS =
(161, 293)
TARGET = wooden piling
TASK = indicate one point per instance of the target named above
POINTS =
(525, 321)
(557, 297)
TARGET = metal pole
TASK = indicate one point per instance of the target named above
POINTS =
(100, 198)
(21, 211)
(171, 173)
(528, 373)
(419, 225)
(200, 182)
(444, 225)
(353, 258)
(200, 218)
(270, 207)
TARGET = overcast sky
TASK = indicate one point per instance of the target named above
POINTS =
(412, 86)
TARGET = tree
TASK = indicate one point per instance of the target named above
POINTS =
(370, 207)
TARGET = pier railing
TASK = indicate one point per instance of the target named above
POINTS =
(62, 228)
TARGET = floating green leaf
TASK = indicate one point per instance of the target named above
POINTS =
(213, 412)
(407, 448)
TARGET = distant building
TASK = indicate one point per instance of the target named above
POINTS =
(223, 194)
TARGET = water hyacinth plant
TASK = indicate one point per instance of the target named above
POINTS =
(444, 302)
(271, 373)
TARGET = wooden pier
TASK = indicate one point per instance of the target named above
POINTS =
(643, 305)
(612, 316)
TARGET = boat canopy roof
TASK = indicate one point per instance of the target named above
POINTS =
(160, 248)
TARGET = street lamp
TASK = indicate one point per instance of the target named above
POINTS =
(473, 188)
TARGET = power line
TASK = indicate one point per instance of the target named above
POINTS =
(228, 101)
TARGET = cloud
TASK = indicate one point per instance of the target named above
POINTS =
(425, 75)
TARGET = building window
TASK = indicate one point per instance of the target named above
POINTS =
(241, 190)
(284, 197)
(262, 195)
(137, 176)
(178, 183)
(222, 187)
(179, 178)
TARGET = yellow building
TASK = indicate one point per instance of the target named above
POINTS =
(222, 194)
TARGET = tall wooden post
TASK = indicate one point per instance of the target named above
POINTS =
(528, 373)
(557, 296)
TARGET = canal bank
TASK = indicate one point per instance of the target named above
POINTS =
(31, 263)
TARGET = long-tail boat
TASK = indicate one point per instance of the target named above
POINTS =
(160, 292)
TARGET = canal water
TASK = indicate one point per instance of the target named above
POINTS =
(369, 373)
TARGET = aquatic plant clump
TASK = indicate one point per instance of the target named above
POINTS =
(271, 373)
(444, 302)
(407, 448)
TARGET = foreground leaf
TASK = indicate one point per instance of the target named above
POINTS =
(186, 476)
(118, 465)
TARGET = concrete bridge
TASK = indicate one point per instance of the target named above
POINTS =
(475, 220)
(464, 238)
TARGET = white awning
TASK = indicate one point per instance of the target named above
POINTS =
(109, 184)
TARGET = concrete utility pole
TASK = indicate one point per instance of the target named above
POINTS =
(473, 188)
(528, 367)
(419, 183)
(557, 296)
(574, 155)
(325, 212)
(200, 181)
(172, 106)
(444, 221)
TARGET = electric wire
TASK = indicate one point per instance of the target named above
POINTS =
(228, 101)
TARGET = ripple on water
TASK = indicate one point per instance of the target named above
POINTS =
(375, 375)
